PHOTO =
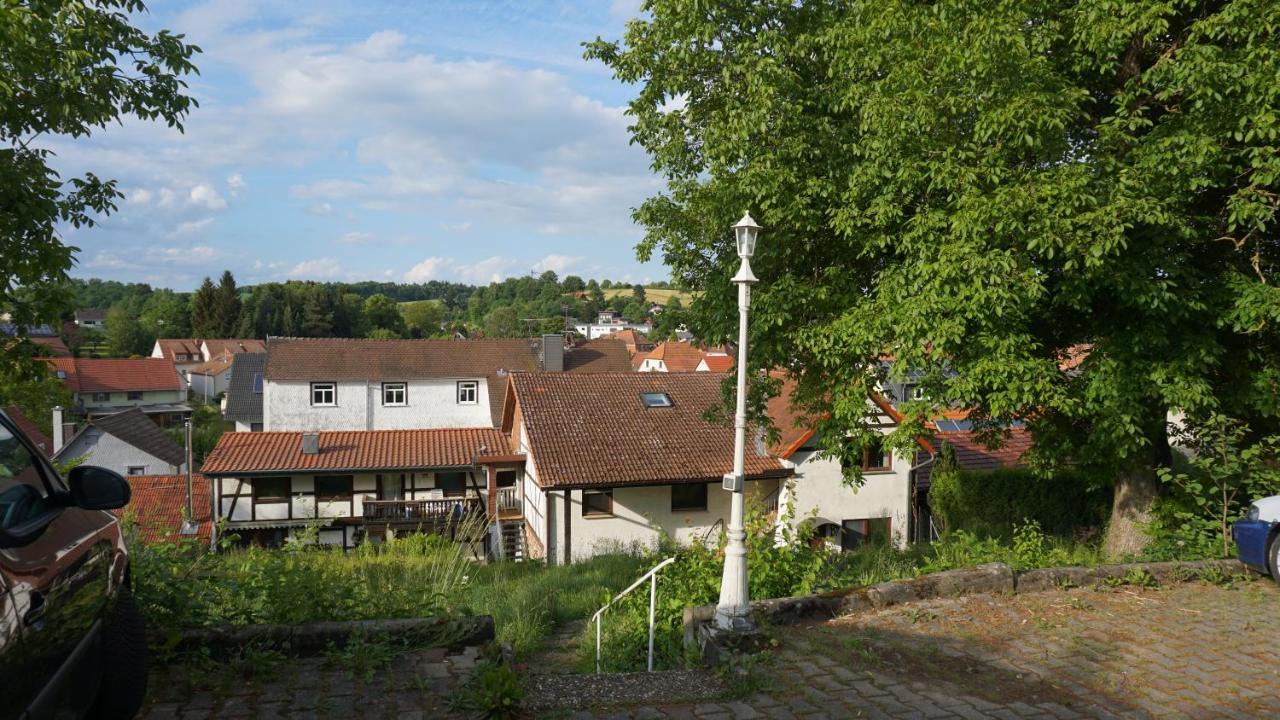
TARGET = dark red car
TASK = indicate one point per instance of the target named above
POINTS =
(71, 638)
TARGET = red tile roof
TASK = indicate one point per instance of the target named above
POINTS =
(600, 355)
(795, 429)
(170, 347)
(51, 345)
(117, 375)
(247, 453)
(157, 504)
(28, 428)
(231, 346)
(593, 430)
(217, 366)
(971, 454)
(718, 363)
(344, 359)
(679, 357)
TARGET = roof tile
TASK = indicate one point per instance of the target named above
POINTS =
(158, 502)
(246, 453)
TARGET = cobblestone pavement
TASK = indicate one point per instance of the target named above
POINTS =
(415, 686)
(1187, 651)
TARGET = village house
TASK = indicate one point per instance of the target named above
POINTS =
(210, 379)
(126, 442)
(242, 402)
(91, 319)
(157, 509)
(358, 485)
(188, 353)
(620, 459)
(102, 386)
(339, 384)
(49, 343)
(972, 455)
(680, 357)
(607, 324)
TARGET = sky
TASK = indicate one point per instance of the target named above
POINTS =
(462, 140)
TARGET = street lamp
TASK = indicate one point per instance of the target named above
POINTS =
(733, 612)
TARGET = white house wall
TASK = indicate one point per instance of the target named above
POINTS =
(821, 496)
(431, 404)
(108, 451)
(121, 399)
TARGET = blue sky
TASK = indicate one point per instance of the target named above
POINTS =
(407, 141)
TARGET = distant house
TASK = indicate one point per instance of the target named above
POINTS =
(636, 342)
(715, 363)
(91, 318)
(971, 454)
(28, 428)
(339, 384)
(45, 336)
(101, 386)
(210, 379)
(621, 458)
(357, 485)
(672, 357)
(158, 504)
(242, 403)
(127, 442)
(187, 353)
(608, 323)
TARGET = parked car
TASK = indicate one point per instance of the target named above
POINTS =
(1258, 537)
(71, 637)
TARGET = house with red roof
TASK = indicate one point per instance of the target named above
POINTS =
(102, 386)
(672, 357)
(187, 353)
(157, 509)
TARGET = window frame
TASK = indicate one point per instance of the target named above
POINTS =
(134, 395)
(142, 470)
(473, 386)
(656, 400)
(341, 496)
(865, 536)
(451, 494)
(885, 454)
(102, 397)
(333, 393)
(257, 383)
(589, 513)
(689, 508)
(401, 387)
(261, 499)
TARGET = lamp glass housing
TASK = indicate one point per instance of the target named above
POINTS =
(746, 231)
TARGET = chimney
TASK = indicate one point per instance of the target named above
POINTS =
(58, 431)
(310, 443)
(553, 353)
(189, 524)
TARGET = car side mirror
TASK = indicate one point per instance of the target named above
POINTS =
(95, 488)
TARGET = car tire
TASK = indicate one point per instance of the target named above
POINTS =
(124, 662)
(1273, 556)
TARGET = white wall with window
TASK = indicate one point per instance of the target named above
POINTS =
(384, 404)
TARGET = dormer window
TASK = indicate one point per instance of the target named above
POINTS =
(656, 400)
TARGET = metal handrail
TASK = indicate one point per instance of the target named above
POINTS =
(652, 576)
(706, 537)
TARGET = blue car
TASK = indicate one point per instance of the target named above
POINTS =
(1258, 537)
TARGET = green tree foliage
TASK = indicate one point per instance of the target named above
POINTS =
(383, 313)
(317, 313)
(165, 314)
(125, 334)
(35, 396)
(226, 306)
(68, 68)
(423, 318)
(977, 191)
(635, 312)
(503, 322)
(638, 294)
(573, 284)
(205, 322)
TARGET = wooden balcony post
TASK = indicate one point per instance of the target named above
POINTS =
(491, 476)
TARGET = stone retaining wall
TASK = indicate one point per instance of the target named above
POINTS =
(989, 578)
(314, 638)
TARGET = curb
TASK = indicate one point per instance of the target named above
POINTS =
(307, 639)
(988, 578)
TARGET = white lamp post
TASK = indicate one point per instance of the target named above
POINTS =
(733, 612)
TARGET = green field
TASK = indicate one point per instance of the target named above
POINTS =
(656, 295)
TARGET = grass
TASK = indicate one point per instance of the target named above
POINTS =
(654, 295)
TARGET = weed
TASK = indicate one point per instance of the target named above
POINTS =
(494, 691)
(362, 657)
(1077, 603)
(918, 615)
(746, 675)
(1043, 623)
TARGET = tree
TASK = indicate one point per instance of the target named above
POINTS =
(503, 322)
(1063, 213)
(638, 294)
(125, 334)
(205, 322)
(573, 284)
(226, 306)
(423, 317)
(381, 312)
(635, 312)
(549, 277)
(317, 313)
(67, 68)
(35, 396)
(165, 314)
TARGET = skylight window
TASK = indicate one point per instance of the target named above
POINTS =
(257, 382)
(656, 399)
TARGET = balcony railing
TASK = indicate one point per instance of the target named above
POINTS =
(509, 498)
(410, 510)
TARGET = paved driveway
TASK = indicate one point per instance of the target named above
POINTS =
(1187, 651)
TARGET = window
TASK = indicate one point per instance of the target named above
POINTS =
(656, 399)
(468, 392)
(62, 374)
(135, 395)
(255, 427)
(876, 457)
(102, 397)
(180, 357)
(324, 393)
(137, 469)
(452, 484)
(257, 383)
(917, 393)
(271, 489)
(597, 503)
(333, 487)
(24, 490)
(861, 532)
(395, 393)
(689, 497)
(506, 478)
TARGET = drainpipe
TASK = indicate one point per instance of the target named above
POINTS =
(190, 491)
(58, 431)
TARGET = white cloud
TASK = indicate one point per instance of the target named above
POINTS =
(320, 209)
(355, 238)
(236, 183)
(559, 264)
(456, 227)
(191, 226)
(204, 195)
(549, 229)
(433, 268)
(325, 268)
(489, 270)
(138, 196)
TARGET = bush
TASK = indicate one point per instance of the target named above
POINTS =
(990, 503)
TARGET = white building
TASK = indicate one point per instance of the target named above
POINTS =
(609, 323)
(109, 385)
(127, 442)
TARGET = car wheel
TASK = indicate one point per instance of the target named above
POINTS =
(124, 657)
(1273, 556)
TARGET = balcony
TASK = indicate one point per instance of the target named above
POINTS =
(509, 503)
(411, 511)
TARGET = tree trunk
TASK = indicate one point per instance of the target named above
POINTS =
(1135, 492)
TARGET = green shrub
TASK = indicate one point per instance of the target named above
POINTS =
(494, 691)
